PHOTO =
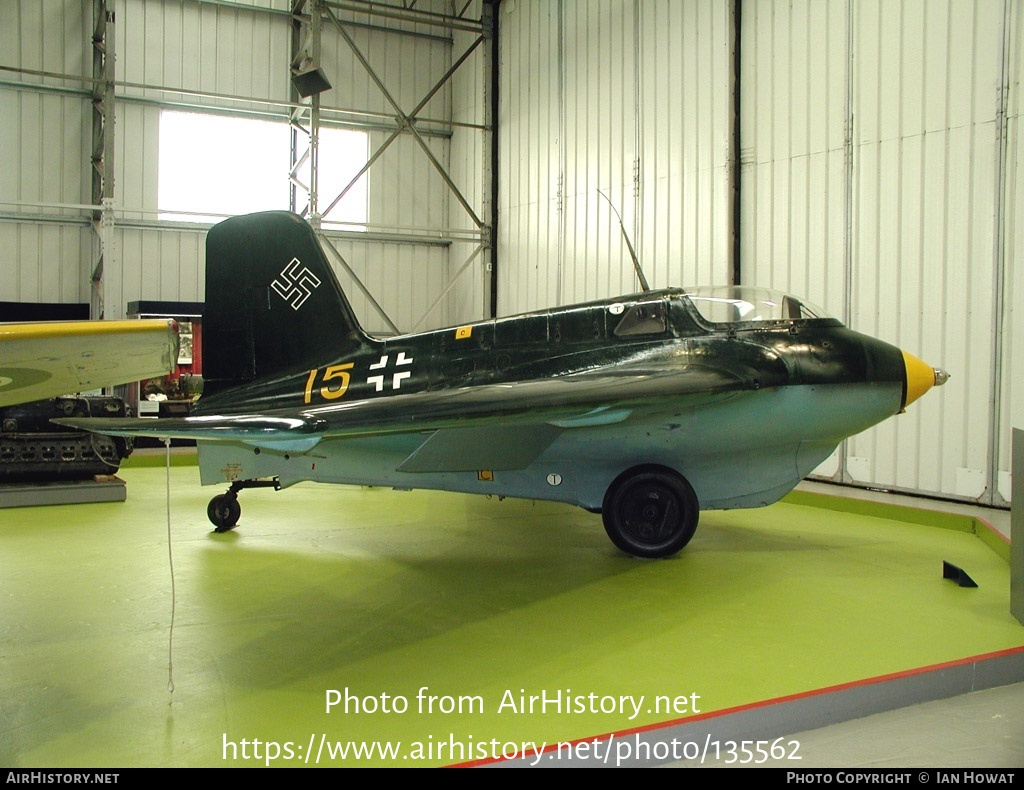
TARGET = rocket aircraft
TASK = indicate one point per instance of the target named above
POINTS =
(646, 408)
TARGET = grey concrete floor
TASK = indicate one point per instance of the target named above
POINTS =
(984, 729)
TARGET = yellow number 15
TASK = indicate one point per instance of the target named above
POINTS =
(334, 373)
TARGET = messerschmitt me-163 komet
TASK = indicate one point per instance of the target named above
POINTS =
(646, 408)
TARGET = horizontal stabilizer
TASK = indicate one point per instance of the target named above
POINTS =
(288, 434)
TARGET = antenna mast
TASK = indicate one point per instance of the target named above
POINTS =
(632, 253)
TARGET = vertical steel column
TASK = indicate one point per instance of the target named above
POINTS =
(562, 155)
(294, 117)
(305, 118)
(842, 474)
(489, 160)
(638, 138)
(992, 495)
(1017, 527)
(106, 258)
(316, 26)
(735, 166)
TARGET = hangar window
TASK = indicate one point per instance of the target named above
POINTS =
(214, 166)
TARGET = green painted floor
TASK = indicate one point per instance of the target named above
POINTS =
(475, 601)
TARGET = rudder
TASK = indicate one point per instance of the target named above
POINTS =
(273, 304)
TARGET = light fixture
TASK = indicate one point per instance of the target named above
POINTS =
(311, 82)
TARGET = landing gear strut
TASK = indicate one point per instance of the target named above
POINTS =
(224, 510)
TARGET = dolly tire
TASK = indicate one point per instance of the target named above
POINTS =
(650, 511)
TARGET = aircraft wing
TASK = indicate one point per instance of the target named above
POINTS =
(514, 421)
(49, 359)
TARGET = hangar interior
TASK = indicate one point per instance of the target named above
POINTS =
(467, 161)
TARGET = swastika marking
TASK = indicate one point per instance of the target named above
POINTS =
(295, 284)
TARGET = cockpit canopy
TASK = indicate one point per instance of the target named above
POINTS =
(727, 304)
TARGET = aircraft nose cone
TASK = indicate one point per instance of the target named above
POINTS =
(921, 377)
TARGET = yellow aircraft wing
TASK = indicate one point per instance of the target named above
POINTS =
(45, 360)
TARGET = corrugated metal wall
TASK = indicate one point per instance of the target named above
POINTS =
(873, 181)
(880, 157)
(529, 155)
(45, 140)
(793, 149)
(210, 51)
(685, 146)
(924, 175)
(628, 99)
(1010, 412)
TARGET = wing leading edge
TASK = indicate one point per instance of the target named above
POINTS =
(48, 359)
(514, 421)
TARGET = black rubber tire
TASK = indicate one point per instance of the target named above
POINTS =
(223, 512)
(650, 511)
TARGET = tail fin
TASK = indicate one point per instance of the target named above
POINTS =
(273, 305)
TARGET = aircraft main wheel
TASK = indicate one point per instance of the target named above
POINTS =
(650, 511)
(223, 512)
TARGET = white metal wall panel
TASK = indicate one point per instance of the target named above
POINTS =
(137, 150)
(46, 141)
(924, 231)
(599, 118)
(631, 99)
(792, 137)
(406, 190)
(870, 177)
(201, 47)
(45, 136)
(46, 36)
(870, 181)
(405, 279)
(44, 262)
(685, 53)
(408, 74)
(1011, 393)
(529, 144)
(160, 266)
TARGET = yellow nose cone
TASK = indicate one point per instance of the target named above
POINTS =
(920, 377)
